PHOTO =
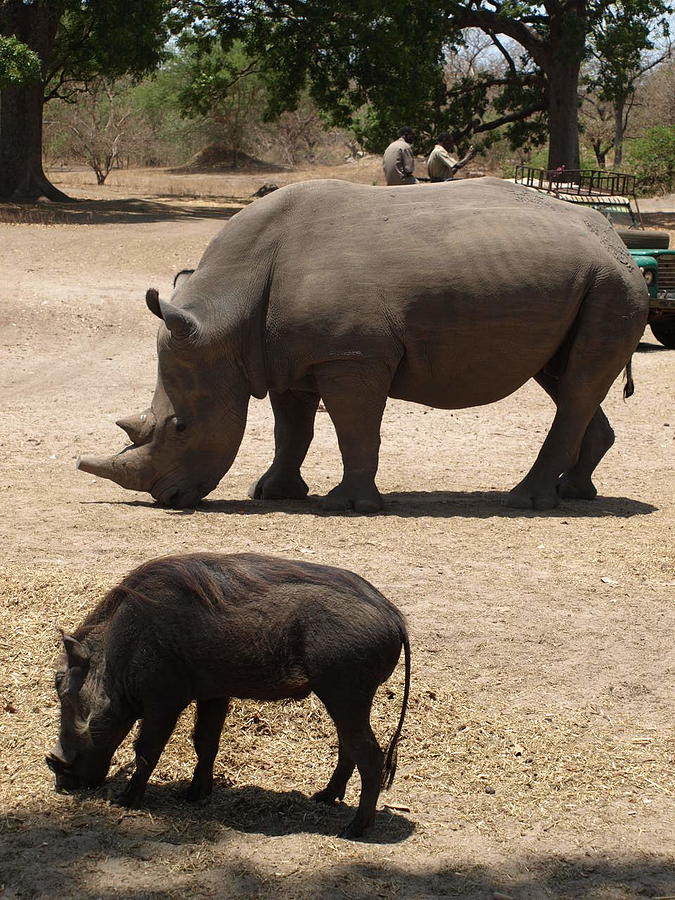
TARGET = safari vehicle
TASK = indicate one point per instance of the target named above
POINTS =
(613, 194)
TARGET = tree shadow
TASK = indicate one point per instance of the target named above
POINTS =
(117, 212)
(39, 857)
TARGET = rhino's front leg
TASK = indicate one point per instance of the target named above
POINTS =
(294, 413)
(355, 395)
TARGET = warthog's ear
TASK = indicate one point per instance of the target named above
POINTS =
(78, 662)
(181, 323)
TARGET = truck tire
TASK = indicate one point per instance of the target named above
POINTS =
(644, 240)
(664, 331)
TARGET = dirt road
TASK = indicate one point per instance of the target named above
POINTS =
(539, 754)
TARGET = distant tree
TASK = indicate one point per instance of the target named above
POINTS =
(652, 158)
(98, 130)
(624, 47)
(75, 41)
(225, 87)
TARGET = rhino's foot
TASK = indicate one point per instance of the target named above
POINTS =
(576, 487)
(345, 497)
(279, 485)
(524, 498)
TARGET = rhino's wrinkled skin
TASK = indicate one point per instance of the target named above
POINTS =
(207, 627)
(450, 295)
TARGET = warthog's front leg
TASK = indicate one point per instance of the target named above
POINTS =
(209, 718)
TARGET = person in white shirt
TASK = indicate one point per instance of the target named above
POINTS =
(442, 163)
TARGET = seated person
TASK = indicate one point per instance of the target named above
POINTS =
(442, 164)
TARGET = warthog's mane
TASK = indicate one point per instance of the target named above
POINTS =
(215, 581)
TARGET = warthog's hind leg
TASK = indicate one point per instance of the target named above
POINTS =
(349, 707)
(336, 787)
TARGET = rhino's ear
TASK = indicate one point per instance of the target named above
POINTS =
(181, 323)
(152, 302)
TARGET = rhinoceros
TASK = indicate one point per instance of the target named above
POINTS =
(450, 295)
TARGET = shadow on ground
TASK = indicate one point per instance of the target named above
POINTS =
(644, 347)
(415, 504)
(146, 856)
(117, 212)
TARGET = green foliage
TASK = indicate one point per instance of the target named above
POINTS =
(652, 158)
(107, 38)
(388, 58)
(18, 64)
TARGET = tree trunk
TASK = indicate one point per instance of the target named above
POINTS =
(21, 108)
(600, 154)
(563, 106)
(618, 130)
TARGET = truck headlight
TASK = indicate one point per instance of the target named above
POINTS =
(648, 275)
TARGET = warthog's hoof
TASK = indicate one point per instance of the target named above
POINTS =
(330, 798)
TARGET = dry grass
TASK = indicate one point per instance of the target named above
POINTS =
(502, 771)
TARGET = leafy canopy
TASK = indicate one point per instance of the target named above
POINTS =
(18, 64)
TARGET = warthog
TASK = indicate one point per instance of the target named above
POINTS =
(207, 627)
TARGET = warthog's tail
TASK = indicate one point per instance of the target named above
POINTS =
(391, 757)
(629, 387)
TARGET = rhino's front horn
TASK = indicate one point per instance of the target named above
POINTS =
(139, 428)
(113, 468)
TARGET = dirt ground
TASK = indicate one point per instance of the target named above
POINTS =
(538, 756)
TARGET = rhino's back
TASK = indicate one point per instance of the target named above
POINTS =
(443, 282)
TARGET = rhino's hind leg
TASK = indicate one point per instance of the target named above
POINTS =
(577, 482)
(580, 434)
(294, 413)
(355, 395)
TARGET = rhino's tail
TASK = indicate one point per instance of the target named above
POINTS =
(629, 386)
(391, 756)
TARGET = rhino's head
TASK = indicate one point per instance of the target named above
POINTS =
(185, 442)
(91, 728)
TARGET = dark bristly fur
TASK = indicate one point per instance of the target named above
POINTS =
(207, 627)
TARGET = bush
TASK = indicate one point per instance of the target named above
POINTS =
(652, 158)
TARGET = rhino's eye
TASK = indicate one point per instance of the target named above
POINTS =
(179, 424)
